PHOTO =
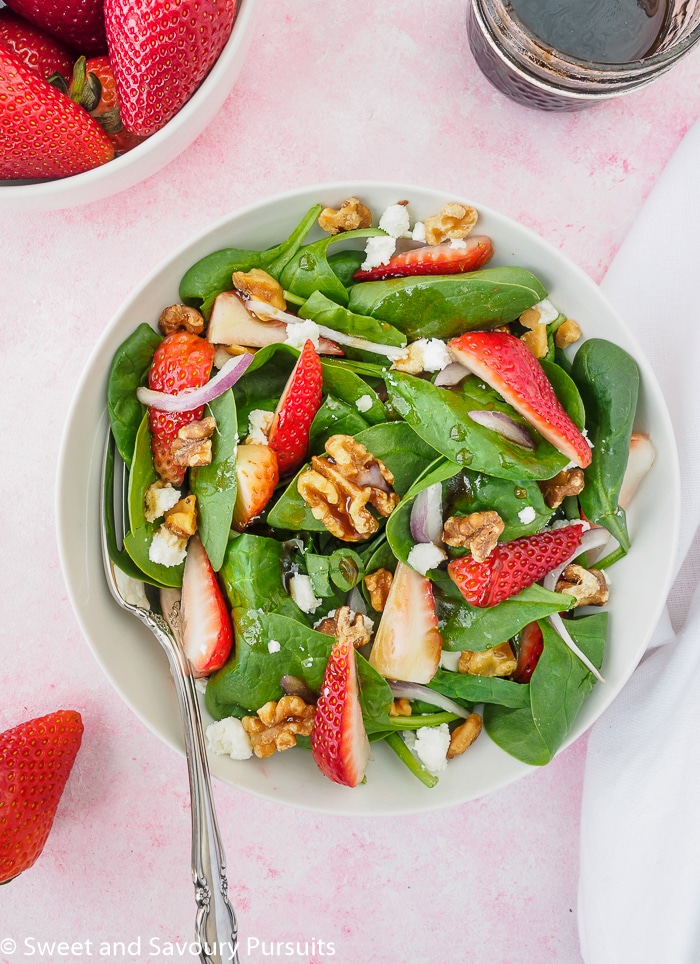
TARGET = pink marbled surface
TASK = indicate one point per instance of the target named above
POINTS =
(330, 91)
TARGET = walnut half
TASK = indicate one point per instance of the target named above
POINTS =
(589, 587)
(278, 724)
(339, 487)
(352, 214)
(478, 531)
(564, 483)
(454, 222)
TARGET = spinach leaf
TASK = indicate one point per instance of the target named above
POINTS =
(441, 417)
(118, 555)
(447, 305)
(340, 380)
(334, 417)
(345, 264)
(608, 379)
(253, 576)
(263, 382)
(215, 485)
(558, 689)
(211, 275)
(566, 391)
(376, 697)
(129, 370)
(477, 492)
(138, 540)
(398, 527)
(467, 688)
(326, 312)
(309, 271)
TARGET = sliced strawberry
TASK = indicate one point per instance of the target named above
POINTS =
(301, 399)
(258, 474)
(512, 566)
(207, 635)
(408, 644)
(433, 259)
(36, 758)
(529, 652)
(508, 366)
(339, 743)
(181, 361)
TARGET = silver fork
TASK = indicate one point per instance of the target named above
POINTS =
(216, 931)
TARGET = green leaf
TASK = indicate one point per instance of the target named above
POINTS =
(253, 576)
(344, 383)
(334, 417)
(345, 264)
(478, 492)
(467, 688)
(326, 312)
(119, 557)
(447, 305)
(398, 527)
(309, 271)
(129, 370)
(215, 485)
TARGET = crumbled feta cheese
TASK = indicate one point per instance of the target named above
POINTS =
(273, 646)
(363, 403)
(430, 745)
(259, 425)
(458, 243)
(424, 556)
(584, 432)
(449, 660)
(302, 593)
(158, 498)
(133, 590)
(166, 548)
(378, 250)
(435, 354)
(228, 738)
(395, 221)
(527, 515)
(418, 233)
(548, 313)
(299, 332)
(200, 684)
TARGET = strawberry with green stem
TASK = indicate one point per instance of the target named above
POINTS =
(94, 88)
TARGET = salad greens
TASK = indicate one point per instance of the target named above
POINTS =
(423, 434)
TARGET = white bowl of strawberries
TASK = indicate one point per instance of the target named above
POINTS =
(392, 461)
(100, 94)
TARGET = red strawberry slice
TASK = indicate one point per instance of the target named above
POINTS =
(508, 366)
(78, 23)
(529, 652)
(207, 635)
(36, 758)
(301, 399)
(43, 54)
(407, 645)
(433, 259)
(42, 132)
(339, 743)
(161, 51)
(257, 474)
(512, 566)
(182, 360)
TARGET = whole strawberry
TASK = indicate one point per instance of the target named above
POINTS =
(181, 361)
(93, 87)
(42, 132)
(35, 761)
(38, 50)
(78, 23)
(161, 51)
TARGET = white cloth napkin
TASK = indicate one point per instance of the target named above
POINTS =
(639, 887)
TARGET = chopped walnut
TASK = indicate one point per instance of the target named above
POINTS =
(260, 286)
(203, 428)
(411, 361)
(192, 446)
(532, 318)
(453, 222)
(348, 626)
(352, 214)
(497, 661)
(179, 317)
(567, 333)
(182, 518)
(378, 585)
(278, 724)
(339, 488)
(400, 707)
(464, 735)
(589, 587)
(567, 482)
(478, 532)
(536, 341)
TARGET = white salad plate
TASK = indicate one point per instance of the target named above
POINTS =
(134, 661)
(156, 151)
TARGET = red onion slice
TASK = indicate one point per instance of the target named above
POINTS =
(592, 539)
(559, 627)
(426, 515)
(504, 425)
(417, 691)
(192, 398)
(451, 375)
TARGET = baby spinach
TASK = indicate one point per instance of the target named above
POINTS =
(478, 492)
(323, 311)
(253, 576)
(557, 690)
(608, 380)
(468, 688)
(117, 553)
(308, 269)
(129, 370)
(263, 382)
(137, 541)
(442, 306)
(441, 417)
(215, 485)
(334, 417)
(398, 527)
(566, 391)
(345, 264)
(341, 380)
(211, 275)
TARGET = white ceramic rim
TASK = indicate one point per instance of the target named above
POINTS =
(155, 152)
(291, 778)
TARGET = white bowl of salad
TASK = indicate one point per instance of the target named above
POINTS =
(409, 477)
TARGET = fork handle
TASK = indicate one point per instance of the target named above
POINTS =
(216, 929)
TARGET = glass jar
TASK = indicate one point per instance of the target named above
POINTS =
(534, 74)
